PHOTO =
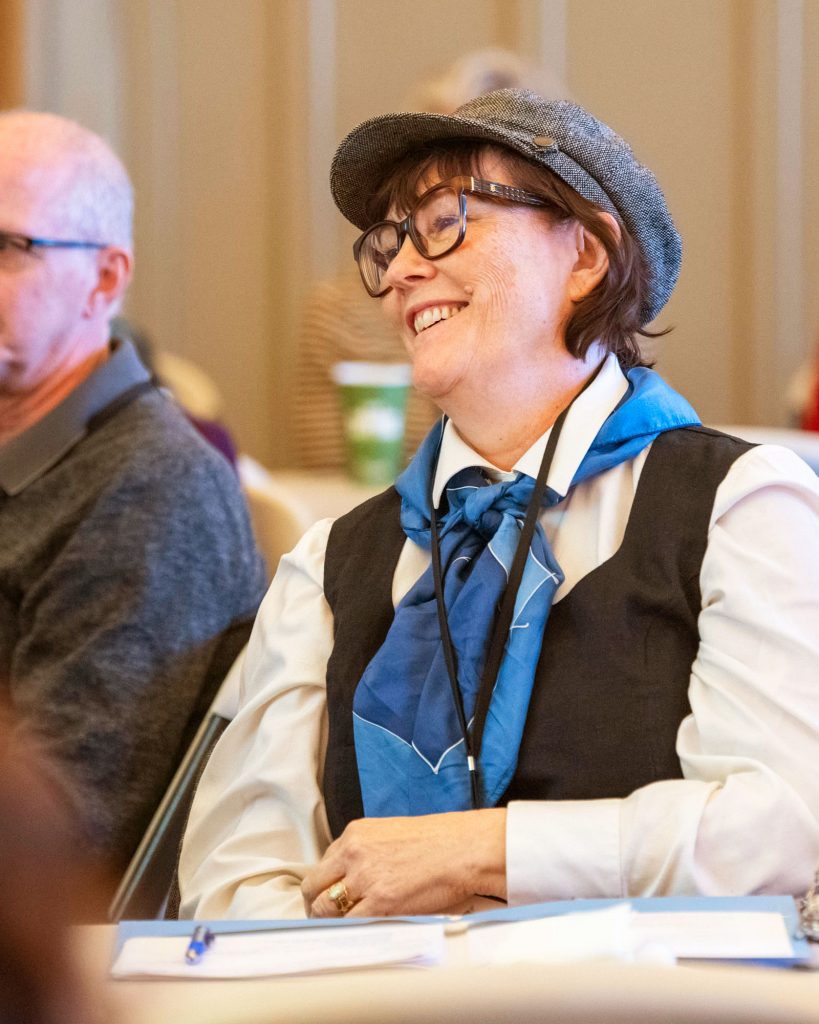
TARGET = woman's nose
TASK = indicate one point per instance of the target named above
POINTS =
(407, 264)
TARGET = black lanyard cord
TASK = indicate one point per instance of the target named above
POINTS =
(449, 648)
(497, 641)
(503, 622)
(474, 737)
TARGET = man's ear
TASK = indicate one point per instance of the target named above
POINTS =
(592, 259)
(113, 275)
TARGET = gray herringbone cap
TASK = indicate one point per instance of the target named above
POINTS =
(562, 136)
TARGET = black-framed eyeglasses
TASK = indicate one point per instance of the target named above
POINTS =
(436, 224)
(23, 243)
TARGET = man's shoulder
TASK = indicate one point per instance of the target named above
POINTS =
(146, 464)
(151, 438)
(142, 486)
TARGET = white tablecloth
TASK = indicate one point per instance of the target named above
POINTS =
(590, 993)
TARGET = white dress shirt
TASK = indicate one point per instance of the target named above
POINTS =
(745, 816)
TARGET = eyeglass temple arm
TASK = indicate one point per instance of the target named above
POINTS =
(56, 243)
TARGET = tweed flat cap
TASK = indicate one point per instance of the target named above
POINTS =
(557, 134)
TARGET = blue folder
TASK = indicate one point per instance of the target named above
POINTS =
(784, 905)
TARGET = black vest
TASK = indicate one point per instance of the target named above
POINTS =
(611, 686)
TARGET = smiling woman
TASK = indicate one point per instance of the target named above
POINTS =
(524, 673)
(512, 279)
(612, 313)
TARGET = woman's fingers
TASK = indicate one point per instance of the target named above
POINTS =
(320, 877)
(409, 865)
(334, 901)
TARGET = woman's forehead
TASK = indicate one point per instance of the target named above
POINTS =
(481, 162)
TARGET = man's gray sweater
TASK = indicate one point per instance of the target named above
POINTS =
(129, 578)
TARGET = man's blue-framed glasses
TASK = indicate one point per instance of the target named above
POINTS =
(11, 240)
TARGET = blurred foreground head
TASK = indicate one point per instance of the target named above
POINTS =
(48, 885)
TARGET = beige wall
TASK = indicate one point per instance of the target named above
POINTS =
(228, 115)
(200, 109)
(810, 136)
(12, 89)
(664, 81)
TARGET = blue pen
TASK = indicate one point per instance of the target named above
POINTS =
(201, 941)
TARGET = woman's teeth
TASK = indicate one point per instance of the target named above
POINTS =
(432, 314)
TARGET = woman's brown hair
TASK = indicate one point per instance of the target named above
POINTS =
(610, 314)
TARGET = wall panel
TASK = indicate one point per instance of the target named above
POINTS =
(12, 86)
(661, 74)
(810, 171)
(201, 113)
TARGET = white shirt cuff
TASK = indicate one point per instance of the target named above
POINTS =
(562, 850)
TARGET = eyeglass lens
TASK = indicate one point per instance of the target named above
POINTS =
(9, 242)
(434, 227)
(13, 252)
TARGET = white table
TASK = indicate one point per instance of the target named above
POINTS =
(804, 442)
(453, 994)
(284, 504)
(323, 494)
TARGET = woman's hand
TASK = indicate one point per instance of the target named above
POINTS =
(416, 865)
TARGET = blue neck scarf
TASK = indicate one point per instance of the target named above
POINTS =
(409, 746)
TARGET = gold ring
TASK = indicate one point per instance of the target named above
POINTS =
(339, 895)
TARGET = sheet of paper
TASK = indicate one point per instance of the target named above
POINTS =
(715, 935)
(593, 935)
(623, 934)
(297, 951)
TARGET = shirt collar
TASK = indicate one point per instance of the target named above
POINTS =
(28, 456)
(585, 418)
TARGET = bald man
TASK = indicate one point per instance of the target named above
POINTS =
(128, 573)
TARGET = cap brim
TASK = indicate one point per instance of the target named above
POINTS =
(366, 155)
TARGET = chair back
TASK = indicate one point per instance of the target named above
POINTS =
(145, 886)
(279, 518)
(191, 386)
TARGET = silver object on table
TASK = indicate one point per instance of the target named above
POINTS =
(809, 911)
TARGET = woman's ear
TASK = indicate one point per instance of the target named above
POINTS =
(592, 259)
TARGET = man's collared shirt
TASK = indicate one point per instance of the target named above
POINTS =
(26, 457)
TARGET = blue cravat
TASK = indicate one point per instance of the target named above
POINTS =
(409, 747)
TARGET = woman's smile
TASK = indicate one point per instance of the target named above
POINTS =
(431, 315)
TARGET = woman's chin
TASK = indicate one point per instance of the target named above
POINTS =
(431, 381)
